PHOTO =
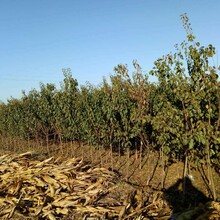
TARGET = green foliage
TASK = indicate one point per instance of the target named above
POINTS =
(180, 114)
(186, 111)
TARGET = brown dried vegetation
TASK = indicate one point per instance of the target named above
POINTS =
(73, 189)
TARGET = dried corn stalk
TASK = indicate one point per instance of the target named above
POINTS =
(51, 188)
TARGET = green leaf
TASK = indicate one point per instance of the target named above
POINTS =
(191, 144)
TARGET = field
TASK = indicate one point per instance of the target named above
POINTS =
(69, 186)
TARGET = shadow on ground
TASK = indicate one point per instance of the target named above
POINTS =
(182, 200)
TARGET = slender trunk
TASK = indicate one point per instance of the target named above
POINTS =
(184, 176)
(14, 144)
(210, 175)
(61, 144)
(141, 149)
(163, 167)
(91, 152)
(10, 144)
(111, 149)
(96, 154)
(2, 145)
(82, 148)
(100, 154)
(72, 150)
(37, 139)
(136, 152)
(29, 143)
(6, 143)
(119, 149)
(107, 156)
(128, 163)
(54, 138)
(47, 142)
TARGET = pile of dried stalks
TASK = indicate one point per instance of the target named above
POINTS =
(50, 188)
(55, 189)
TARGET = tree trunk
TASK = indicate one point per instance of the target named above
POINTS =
(163, 167)
(210, 175)
(111, 149)
(100, 154)
(184, 176)
(141, 149)
(91, 152)
(128, 163)
(82, 151)
(47, 142)
(61, 144)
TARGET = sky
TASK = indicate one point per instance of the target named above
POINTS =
(38, 38)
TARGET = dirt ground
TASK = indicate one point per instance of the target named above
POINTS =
(150, 173)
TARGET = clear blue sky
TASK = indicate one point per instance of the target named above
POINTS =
(40, 37)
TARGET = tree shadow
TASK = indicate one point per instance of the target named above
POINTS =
(180, 199)
(205, 179)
